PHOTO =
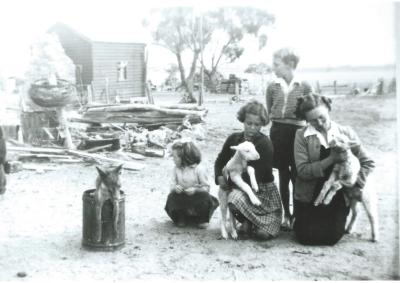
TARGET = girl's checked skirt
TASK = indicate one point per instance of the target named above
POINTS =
(268, 216)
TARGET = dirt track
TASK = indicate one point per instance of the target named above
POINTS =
(41, 223)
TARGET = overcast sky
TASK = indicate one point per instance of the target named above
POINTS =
(325, 33)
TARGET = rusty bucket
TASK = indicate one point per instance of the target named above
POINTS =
(109, 240)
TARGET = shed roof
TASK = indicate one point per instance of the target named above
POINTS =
(104, 33)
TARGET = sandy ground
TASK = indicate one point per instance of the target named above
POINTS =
(41, 221)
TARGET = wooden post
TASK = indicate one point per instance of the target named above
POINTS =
(64, 127)
(379, 87)
(20, 134)
(237, 88)
(149, 95)
(318, 90)
(334, 86)
(89, 94)
(201, 93)
(147, 88)
(107, 92)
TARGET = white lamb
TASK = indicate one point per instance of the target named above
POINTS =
(345, 174)
(233, 170)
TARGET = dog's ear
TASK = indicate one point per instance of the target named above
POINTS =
(118, 169)
(101, 172)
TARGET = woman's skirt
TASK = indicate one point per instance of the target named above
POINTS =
(196, 208)
(268, 216)
(322, 224)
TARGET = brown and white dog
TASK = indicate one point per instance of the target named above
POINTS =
(233, 170)
(345, 175)
(108, 186)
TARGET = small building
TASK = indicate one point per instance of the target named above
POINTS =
(233, 85)
(106, 71)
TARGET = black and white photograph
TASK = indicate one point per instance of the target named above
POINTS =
(199, 140)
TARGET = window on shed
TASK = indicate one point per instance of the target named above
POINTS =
(122, 69)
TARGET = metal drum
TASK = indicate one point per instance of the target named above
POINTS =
(109, 240)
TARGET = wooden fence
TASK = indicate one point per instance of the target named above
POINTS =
(381, 87)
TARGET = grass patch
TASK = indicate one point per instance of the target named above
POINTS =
(373, 118)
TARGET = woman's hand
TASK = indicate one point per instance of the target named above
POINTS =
(190, 191)
(178, 189)
(336, 156)
(222, 183)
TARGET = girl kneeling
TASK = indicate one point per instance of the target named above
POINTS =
(189, 201)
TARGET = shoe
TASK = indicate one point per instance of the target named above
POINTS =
(261, 235)
(181, 221)
(245, 228)
(203, 225)
(286, 224)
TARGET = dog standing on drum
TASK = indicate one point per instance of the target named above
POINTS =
(108, 186)
(233, 170)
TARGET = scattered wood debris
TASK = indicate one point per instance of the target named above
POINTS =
(144, 115)
(115, 134)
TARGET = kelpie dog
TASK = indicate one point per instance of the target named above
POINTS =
(108, 186)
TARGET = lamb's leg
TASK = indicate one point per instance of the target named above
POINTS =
(332, 192)
(252, 175)
(372, 217)
(325, 189)
(232, 222)
(354, 212)
(223, 206)
(246, 188)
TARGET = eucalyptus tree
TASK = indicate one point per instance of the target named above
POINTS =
(220, 37)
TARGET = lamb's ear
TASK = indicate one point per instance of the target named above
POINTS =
(234, 147)
(332, 143)
(353, 143)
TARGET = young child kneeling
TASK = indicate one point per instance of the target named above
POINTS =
(189, 201)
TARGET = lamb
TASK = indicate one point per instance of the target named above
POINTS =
(345, 175)
(233, 170)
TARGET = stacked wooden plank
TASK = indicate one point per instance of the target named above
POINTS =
(144, 115)
(68, 155)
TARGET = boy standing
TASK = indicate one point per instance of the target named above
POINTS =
(281, 99)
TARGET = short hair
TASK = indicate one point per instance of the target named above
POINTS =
(188, 152)
(287, 55)
(309, 102)
(256, 108)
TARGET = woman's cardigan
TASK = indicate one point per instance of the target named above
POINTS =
(308, 163)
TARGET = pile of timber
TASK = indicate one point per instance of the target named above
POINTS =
(148, 116)
(59, 155)
(122, 133)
